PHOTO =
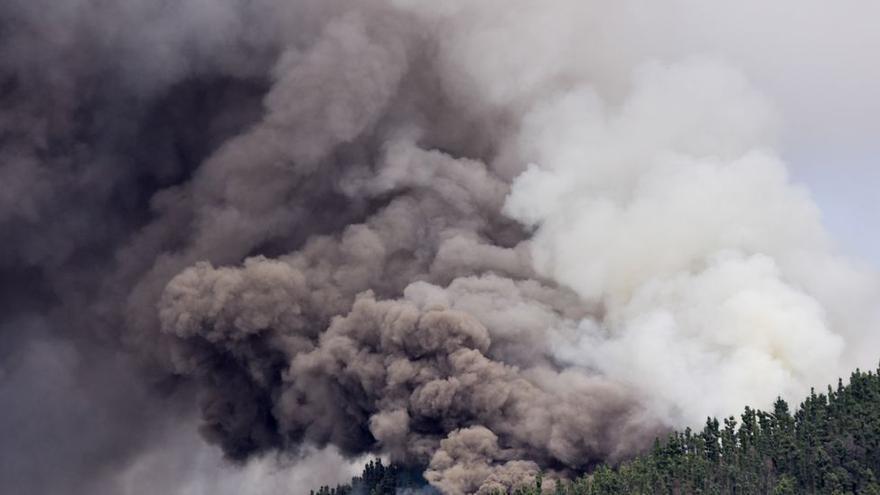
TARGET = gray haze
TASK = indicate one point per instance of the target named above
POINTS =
(471, 238)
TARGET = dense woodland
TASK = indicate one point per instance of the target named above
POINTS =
(379, 479)
(829, 445)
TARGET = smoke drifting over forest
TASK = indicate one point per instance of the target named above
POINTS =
(488, 238)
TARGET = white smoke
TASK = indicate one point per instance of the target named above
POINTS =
(657, 187)
(672, 210)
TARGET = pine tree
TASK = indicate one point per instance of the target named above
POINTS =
(829, 445)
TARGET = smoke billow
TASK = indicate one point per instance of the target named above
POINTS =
(483, 238)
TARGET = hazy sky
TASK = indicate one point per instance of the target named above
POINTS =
(814, 61)
(847, 194)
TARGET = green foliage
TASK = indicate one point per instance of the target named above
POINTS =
(830, 445)
(377, 479)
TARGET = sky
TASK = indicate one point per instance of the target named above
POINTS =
(846, 195)
(812, 60)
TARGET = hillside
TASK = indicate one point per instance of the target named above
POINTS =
(829, 445)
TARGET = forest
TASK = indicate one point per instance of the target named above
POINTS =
(829, 445)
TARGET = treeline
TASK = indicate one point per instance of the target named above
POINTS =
(379, 479)
(830, 445)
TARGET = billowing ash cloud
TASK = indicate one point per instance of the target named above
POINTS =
(483, 238)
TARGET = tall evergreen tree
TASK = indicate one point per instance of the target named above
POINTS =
(829, 445)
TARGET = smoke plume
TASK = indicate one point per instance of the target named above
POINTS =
(484, 238)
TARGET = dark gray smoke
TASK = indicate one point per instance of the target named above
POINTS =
(292, 219)
(282, 207)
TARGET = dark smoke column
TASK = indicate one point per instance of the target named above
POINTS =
(292, 208)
